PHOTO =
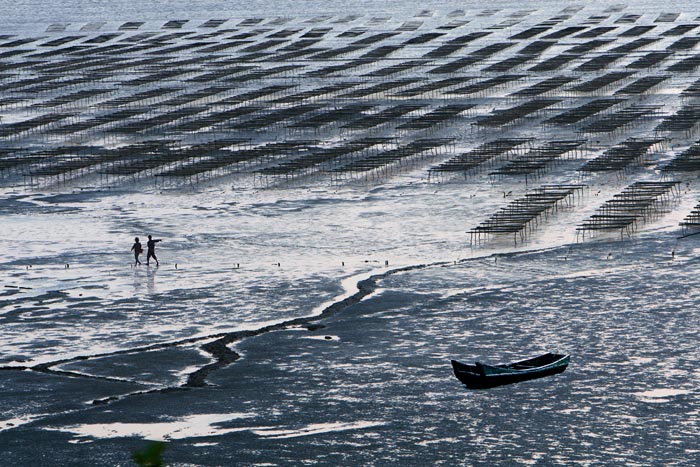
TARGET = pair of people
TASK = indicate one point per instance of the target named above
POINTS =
(151, 253)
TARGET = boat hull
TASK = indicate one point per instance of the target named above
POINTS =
(481, 376)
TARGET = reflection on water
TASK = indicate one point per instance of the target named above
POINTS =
(141, 273)
(151, 280)
(193, 426)
(136, 279)
(660, 395)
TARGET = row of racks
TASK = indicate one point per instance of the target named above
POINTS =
(624, 212)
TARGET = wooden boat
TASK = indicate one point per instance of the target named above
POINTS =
(481, 375)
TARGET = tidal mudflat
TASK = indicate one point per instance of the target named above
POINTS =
(347, 199)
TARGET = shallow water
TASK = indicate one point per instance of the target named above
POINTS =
(374, 386)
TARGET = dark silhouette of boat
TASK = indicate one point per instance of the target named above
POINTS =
(481, 375)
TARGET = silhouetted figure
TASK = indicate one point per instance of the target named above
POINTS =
(137, 249)
(151, 253)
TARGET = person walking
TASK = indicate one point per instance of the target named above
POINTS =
(151, 253)
(137, 249)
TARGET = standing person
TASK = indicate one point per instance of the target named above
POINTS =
(151, 253)
(137, 249)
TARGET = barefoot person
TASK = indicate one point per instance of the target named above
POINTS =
(151, 253)
(137, 249)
